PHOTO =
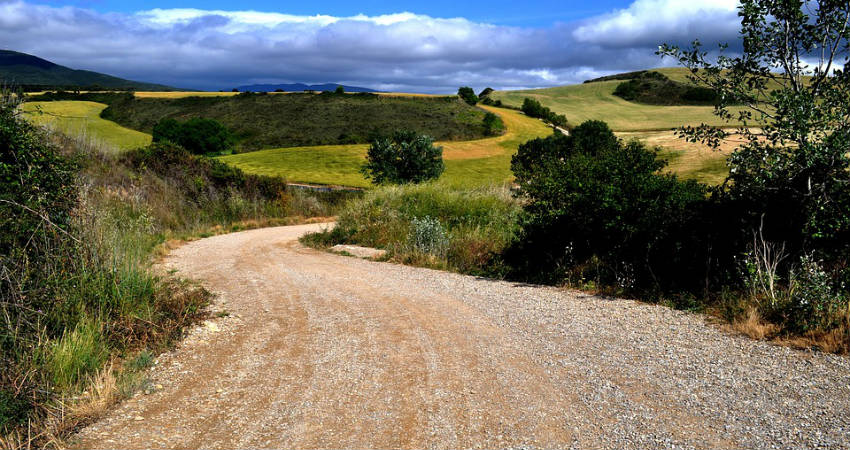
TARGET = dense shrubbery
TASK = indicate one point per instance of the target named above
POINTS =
(533, 108)
(199, 136)
(406, 157)
(598, 208)
(654, 88)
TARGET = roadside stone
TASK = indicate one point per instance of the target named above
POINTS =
(360, 252)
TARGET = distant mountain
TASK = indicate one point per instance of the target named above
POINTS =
(300, 87)
(32, 72)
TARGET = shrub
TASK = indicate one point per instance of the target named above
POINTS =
(427, 235)
(492, 124)
(199, 136)
(485, 93)
(407, 157)
(594, 202)
(468, 95)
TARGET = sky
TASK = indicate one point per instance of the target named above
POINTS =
(429, 46)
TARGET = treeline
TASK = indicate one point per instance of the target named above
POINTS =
(533, 108)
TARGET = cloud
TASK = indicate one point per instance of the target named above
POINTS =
(644, 22)
(213, 49)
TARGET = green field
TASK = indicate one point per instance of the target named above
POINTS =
(83, 119)
(468, 163)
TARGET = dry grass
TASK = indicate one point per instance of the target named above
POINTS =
(753, 325)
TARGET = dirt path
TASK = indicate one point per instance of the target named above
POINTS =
(322, 350)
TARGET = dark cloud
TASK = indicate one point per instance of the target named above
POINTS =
(220, 49)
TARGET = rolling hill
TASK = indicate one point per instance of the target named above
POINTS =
(34, 73)
(300, 87)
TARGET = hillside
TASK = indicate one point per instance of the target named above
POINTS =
(596, 101)
(263, 121)
(270, 121)
(34, 73)
(300, 87)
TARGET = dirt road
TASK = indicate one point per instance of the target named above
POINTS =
(322, 350)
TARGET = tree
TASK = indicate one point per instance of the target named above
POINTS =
(486, 92)
(407, 157)
(199, 136)
(340, 90)
(792, 175)
(533, 108)
(468, 95)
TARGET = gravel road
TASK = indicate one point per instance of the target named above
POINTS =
(321, 350)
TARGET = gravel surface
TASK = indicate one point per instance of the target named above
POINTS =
(322, 350)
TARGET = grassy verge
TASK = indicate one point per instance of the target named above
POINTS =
(430, 225)
(83, 312)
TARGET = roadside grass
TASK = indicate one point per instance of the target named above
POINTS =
(80, 335)
(430, 225)
(83, 119)
(468, 163)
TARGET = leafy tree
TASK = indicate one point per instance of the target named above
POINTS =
(339, 90)
(199, 136)
(792, 175)
(468, 95)
(407, 157)
(485, 93)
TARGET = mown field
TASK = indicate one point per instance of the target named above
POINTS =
(468, 163)
(595, 101)
(83, 119)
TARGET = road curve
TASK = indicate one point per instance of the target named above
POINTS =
(327, 351)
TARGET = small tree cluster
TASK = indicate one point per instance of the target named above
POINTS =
(199, 136)
(492, 124)
(533, 108)
(406, 157)
(468, 95)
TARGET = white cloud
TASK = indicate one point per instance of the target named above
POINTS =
(651, 20)
(220, 49)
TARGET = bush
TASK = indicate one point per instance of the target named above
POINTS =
(407, 157)
(485, 93)
(199, 136)
(427, 235)
(468, 95)
(596, 204)
(492, 124)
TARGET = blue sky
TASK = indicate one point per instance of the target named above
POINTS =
(426, 46)
(503, 12)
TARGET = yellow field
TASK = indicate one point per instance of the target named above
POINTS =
(468, 163)
(83, 119)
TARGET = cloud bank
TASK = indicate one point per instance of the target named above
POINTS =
(209, 49)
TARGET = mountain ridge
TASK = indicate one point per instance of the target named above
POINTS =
(31, 72)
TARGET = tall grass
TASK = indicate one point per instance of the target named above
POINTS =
(81, 308)
(475, 223)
